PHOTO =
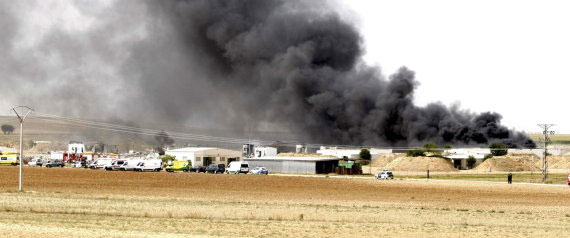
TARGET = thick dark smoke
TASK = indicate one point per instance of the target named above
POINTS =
(290, 63)
(236, 64)
(162, 141)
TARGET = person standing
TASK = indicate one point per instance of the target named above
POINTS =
(510, 178)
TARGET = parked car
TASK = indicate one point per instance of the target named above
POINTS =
(216, 168)
(101, 163)
(179, 165)
(89, 164)
(237, 167)
(568, 179)
(149, 165)
(384, 175)
(197, 169)
(260, 170)
(79, 164)
(55, 163)
(35, 162)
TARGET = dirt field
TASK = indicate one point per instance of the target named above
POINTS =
(84, 203)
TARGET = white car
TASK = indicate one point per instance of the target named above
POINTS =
(35, 162)
(384, 175)
(77, 164)
(260, 170)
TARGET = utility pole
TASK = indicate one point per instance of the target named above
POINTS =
(21, 155)
(545, 140)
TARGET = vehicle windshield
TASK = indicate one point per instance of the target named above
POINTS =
(244, 165)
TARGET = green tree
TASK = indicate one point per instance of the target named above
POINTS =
(471, 161)
(365, 154)
(166, 159)
(7, 129)
(447, 146)
(498, 149)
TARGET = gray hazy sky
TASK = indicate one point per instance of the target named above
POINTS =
(507, 56)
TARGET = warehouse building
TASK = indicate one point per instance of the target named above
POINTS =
(296, 163)
(205, 155)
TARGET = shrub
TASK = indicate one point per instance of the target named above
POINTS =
(415, 153)
(432, 148)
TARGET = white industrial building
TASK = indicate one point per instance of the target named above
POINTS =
(296, 163)
(351, 153)
(205, 156)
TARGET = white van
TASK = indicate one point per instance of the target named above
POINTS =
(130, 164)
(115, 165)
(101, 163)
(237, 167)
(149, 165)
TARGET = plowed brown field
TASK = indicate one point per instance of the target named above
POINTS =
(85, 203)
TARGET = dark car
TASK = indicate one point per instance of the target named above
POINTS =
(197, 169)
(55, 163)
(216, 168)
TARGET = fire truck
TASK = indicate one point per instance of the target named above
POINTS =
(76, 152)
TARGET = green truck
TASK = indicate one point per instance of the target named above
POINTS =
(179, 165)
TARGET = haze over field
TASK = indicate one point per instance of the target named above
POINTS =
(293, 65)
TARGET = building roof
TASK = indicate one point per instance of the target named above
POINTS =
(192, 149)
(286, 158)
(304, 155)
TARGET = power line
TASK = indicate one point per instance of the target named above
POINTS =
(545, 140)
(189, 136)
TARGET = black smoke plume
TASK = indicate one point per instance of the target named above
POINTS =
(290, 64)
(162, 141)
(302, 66)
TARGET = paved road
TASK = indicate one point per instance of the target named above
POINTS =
(412, 179)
